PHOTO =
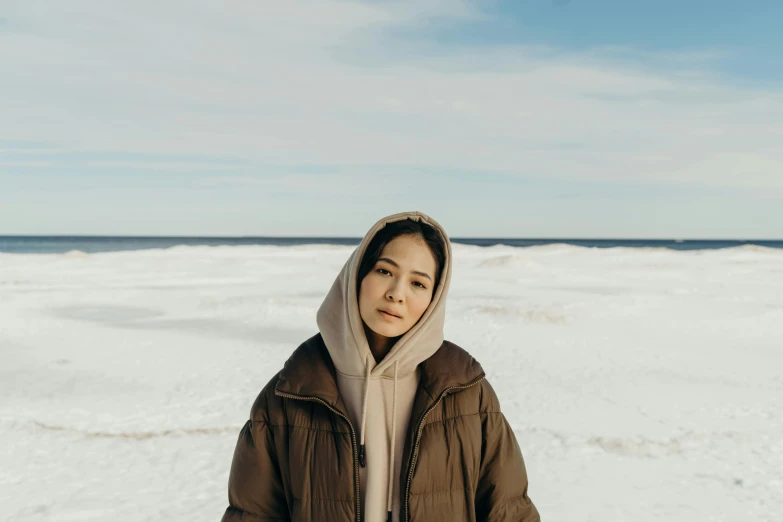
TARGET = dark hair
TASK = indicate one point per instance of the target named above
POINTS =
(429, 234)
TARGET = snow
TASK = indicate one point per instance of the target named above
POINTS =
(642, 384)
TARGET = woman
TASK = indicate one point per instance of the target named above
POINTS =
(376, 417)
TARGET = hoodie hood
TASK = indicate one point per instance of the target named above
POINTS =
(341, 324)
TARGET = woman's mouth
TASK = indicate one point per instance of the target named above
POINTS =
(388, 315)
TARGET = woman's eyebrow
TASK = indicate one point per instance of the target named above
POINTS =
(392, 263)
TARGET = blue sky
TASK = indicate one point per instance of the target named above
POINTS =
(518, 119)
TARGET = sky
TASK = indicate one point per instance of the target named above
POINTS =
(534, 118)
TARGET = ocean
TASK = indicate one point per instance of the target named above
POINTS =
(94, 244)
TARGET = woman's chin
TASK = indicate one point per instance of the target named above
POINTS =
(384, 330)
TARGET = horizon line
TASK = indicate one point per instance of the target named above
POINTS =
(359, 238)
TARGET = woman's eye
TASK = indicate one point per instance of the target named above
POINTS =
(383, 271)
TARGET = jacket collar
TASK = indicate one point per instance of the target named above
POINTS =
(449, 367)
(309, 372)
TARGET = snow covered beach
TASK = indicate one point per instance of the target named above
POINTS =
(643, 384)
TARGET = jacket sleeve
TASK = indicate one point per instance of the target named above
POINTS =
(501, 495)
(255, 486)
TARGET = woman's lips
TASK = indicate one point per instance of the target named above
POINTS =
(389, 316)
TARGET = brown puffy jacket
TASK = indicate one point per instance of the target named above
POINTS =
(296, 458)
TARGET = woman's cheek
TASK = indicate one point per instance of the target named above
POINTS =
(419, 309)
(372, 286)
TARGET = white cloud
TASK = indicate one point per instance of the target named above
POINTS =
(164, 165)
(328, 83)
(29, 164)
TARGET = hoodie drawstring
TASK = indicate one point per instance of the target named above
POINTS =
(393, 437)
(391, 453)
(364, 408)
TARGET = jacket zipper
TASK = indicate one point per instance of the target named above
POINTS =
(418, 437)
(353, 443)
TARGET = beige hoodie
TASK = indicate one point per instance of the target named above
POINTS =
(379, 397)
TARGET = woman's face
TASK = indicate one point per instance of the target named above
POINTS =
(402, 282)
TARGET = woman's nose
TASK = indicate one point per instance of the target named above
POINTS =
(394, 292)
